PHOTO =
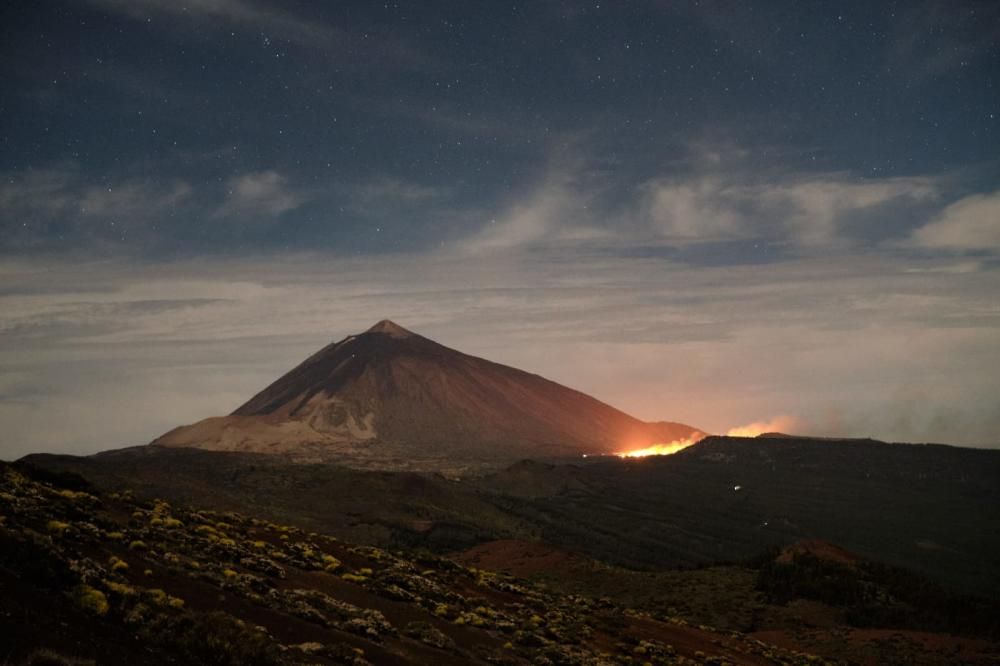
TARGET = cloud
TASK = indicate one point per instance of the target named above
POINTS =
(145, 346)
(806, 210)
(971, 223)
(389, 200)
(556, 211)
(39, 191)
(254, 15)
(273, 21)
(260, 193)
(711, 195)
(693, 208)
(58, 205)
(132, 198)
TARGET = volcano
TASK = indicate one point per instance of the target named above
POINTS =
(390, 393)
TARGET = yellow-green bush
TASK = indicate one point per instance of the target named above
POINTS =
(119, 588)
(56, 526)
(161, 598)
(118, 564)
(91, 600)
(138, 545)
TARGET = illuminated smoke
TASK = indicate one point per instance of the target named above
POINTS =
(784, 424)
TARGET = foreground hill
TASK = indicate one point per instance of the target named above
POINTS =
(391, 398)
(932, 509)
(112, 579)
(812, 596)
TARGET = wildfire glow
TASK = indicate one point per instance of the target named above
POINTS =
(777, 424)
(660, 449)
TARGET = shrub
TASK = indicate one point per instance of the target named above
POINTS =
(118, 564)
(220, 639)
(56, 526)
(330, 563)
(354, 578)
(138, 545)
(91, 600)
(206, 530)
(119, 588)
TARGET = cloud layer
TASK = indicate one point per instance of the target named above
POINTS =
(848, 346)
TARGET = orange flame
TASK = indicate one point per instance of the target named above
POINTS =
(777, 424)
(666, 449)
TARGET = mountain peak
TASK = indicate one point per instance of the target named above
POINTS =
(390, 394)
(390, 328)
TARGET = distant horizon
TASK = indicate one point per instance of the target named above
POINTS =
(780, 425)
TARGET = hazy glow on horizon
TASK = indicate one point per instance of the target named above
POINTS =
(667, 449)
(783, 424)
(778, 424)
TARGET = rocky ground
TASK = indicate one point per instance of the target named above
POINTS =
(87, 577)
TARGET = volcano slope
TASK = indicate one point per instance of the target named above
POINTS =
(391, 399)
(89, 577)
(123, 577)
(933, 509)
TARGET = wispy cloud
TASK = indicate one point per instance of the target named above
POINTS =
(132, 198)
(971, 223)
(556, 210)
(274, 21)
(385, 197)
(40, 206)
(717, 194)
(711, 196)
(266, 193)
(246, 13)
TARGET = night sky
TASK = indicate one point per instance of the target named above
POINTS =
(707, 212)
